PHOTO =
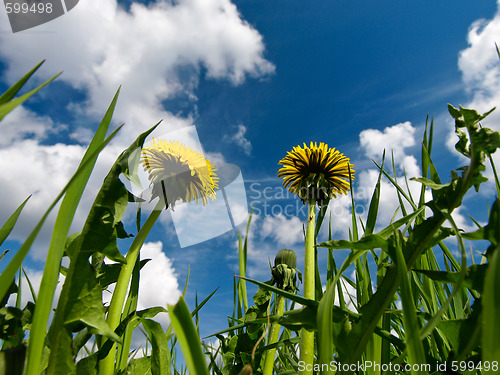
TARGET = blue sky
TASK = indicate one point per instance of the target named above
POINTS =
(256, 78)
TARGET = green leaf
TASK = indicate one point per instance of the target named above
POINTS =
(371, 241)
(160, 352)
(187, 337)
(103, 223)
(460, 333)
(85, 304)
(108, 273)
(474, 278)
(87, 366)
(132, 321)
(429, 183)
(291, 296)
(304, 318)
(139, 366)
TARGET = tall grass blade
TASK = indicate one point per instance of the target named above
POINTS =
(491, 311)
(57, 244)
(325, 328)
(415, 348)
(187, 337)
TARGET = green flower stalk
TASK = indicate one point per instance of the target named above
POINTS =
(177, 173)
(285, 277)
(315, 174)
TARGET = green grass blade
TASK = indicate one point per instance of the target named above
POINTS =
(57, 244)
(10, 270)
(415, 348)
(11, 104)
(11, 221)
(374, 203)
(325, 328)
(491, 311)
(187, 337)
(12, 91)
(32, 290)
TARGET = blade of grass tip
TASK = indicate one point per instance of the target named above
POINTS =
(10, 270)
(12, 91)
(30, 285)
(187, 337)
(244, 262)
(11, 221)
(11, 104)
(19, 288)
(497, 181)
(242, 292)
(57, 244)
(353, 210)
(396, 185)
(374, 203)
(187, 281)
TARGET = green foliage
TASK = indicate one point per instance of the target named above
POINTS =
(413, 301)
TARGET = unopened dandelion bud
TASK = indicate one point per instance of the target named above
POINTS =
(287, 257)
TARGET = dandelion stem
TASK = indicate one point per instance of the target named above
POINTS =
(307, 338)
(107, 364)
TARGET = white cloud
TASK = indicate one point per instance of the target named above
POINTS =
(240, 140)
(284, 231)
(155, 52)
(393, 139)
(21, 123)
(159, 285)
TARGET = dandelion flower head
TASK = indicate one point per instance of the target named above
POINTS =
(178, 173)
(316, 173)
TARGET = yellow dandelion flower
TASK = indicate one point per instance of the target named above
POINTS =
(178, 173)
(316, 173)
